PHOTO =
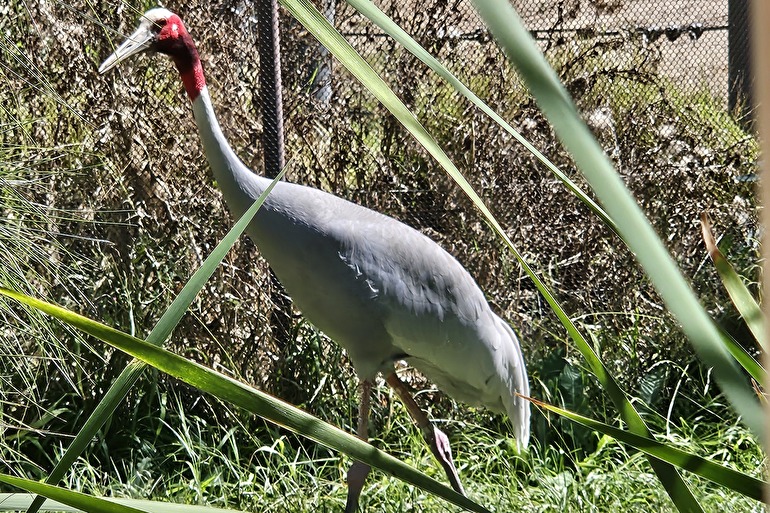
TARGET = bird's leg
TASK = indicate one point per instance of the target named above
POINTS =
(437, 440)
(358, 471)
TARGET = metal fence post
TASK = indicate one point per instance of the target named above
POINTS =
(739, 73)
(270, 86)
(271, 103)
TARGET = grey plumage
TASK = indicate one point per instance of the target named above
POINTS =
(378, 287)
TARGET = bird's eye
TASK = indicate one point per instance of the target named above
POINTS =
(161, 22)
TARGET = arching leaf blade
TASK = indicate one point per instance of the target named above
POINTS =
(248, 398)
(77, 500)
(22, 501)
(703, 467)
(341, 49)
(168, 321)
(744, 302)
(379, 18)
(635, 229)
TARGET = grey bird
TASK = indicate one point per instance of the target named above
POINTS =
(381, 289)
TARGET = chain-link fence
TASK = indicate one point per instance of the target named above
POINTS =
(650, 77)
(694, 46)
(686, 42)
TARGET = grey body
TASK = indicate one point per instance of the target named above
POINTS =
(377, 287)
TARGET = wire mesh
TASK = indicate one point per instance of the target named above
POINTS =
(650, 77)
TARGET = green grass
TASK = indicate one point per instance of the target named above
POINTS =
(244, 464)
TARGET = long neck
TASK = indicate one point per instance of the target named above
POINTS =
(239, 185)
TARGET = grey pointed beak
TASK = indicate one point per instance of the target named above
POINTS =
(138, 42)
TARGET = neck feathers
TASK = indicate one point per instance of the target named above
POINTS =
(193, 80)
(175, 41)
(239, 186)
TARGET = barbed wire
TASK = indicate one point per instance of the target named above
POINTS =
(651, 32)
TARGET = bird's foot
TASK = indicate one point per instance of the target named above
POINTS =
(439, 445)
(356, 478)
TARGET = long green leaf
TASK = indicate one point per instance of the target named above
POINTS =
(341, 49)
(719, 474)
(168, 321)
(75, 499)
(374, 14)
(739, 293)
(22, 501)
(744, 359)
(248, 398)
(635, 229)
(540, 76)
(379, 18)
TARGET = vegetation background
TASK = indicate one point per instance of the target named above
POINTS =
(108, 206)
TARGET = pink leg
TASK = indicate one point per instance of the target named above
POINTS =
(437, 440)
(358, 471)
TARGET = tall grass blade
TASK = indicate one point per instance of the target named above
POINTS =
(635, 229)
(250, 399)
(506, 27)
(719, 474)
(379, 18)
(168, 321)
(341, 49)
(75, 499)
(742, 298)
(746, 360)
(68, 501)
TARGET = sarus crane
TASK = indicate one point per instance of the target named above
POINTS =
(381, 289)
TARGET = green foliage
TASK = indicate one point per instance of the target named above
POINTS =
(559, 382)
(243, 464)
